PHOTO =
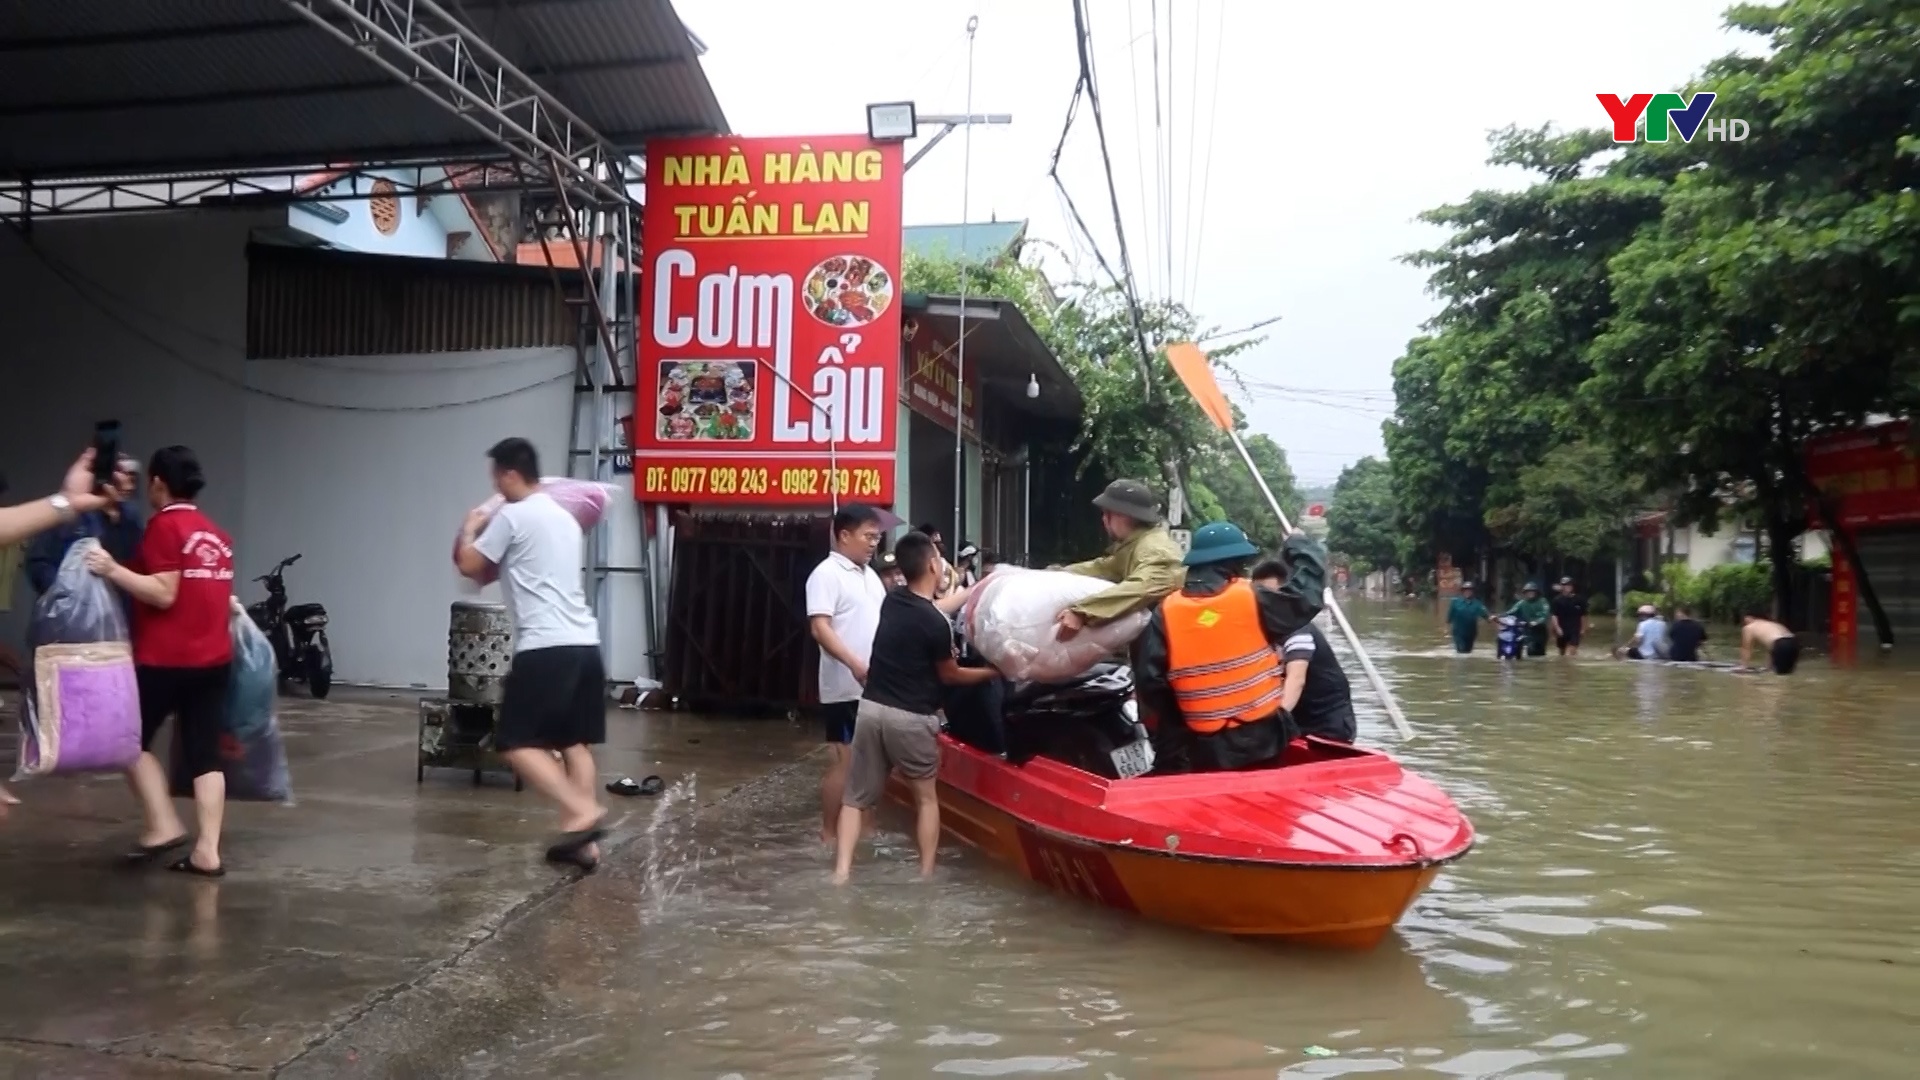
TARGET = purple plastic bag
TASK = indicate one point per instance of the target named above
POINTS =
(586, 500)
(82, 709)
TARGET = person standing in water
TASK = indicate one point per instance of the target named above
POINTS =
(554, 699)
(1759, 632)
(1568, 618)
(843, 611)
(1465, 613)
(1532, 613)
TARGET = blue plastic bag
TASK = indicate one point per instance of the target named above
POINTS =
(252, 753)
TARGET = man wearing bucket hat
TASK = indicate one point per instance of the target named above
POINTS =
(1143, 564)
(1207, 669)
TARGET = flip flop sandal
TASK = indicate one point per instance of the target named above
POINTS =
(146, 853)
(185, 866)
(651, 786)
(567, 849)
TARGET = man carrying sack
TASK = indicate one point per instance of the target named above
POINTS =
(1143, 563)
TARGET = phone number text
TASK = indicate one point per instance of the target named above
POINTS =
(751, 481)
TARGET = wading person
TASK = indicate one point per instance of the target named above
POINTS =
(896, 727)
(1532, 614)
(1316, 692)
(1649, 641)
(843, 611)
(1687, 637)
(1208, 671)
(554, 696)
(1465, 613)
(1759, 632)
(1568, 618)
(1144, 562)
(181, 582)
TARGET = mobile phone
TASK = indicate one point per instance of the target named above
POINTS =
(106, 452)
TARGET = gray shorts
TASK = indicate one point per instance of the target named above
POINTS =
(884, 739)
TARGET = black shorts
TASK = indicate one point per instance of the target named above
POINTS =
(1785, 655)
(553, 698)
(838, 717)
(197, 699)
(1337, 723)
(1568, 641)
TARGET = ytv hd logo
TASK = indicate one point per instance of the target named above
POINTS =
(1666, 112)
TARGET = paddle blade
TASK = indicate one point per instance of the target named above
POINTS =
(1196, 374)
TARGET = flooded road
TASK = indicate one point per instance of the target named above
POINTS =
(1679, 873)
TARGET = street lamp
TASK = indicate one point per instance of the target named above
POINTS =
(891, 121)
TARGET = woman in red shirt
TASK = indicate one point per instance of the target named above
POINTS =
(182, 585)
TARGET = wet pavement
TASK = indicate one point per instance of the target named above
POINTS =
(370, 885)
(1680, 873)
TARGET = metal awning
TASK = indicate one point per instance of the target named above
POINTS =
(92, 88)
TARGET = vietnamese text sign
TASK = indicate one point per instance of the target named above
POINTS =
(770, 321)
(932, 385)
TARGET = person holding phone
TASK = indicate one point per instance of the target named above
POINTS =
(117, 525)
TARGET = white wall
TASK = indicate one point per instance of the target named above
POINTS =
(418, 235)
(369, 495)
(372, 498)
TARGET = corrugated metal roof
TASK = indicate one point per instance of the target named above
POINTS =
(981, 240)
(98, 86)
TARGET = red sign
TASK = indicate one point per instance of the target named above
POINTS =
(1317, 510)
(1870, 474)
(1843, 617)
(770, 321)
(932, 385)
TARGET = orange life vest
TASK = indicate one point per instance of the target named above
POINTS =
(1221, 667)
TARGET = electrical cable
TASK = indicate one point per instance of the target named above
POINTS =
(1139, 135)
(1159, 152)
(1173, 148)
(1199, 235)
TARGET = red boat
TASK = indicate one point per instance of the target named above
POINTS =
(1329, 848)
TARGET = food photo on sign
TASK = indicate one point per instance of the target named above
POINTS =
(770, 316)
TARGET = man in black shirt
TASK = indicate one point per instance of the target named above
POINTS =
(1316, 691)
(1685, 637)
(913, 662)
(1569, 618)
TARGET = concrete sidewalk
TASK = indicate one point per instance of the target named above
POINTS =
(369, 886)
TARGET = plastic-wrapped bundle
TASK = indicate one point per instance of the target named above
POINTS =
(1010, 622)
(253, 756)
(586, 500)
(83, 704)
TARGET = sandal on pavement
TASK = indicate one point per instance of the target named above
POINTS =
(186, 866)
(651, 786)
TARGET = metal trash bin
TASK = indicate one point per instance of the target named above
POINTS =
(479, 651)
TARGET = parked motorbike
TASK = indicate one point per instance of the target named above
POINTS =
(298, 633)
(1090, 723)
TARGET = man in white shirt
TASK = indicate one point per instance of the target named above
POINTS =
(843, 611)
(554, 697)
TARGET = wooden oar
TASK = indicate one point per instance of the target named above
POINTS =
(1196, 373)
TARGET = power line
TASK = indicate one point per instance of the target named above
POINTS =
(1159, 145)
(1206, 174)
(1173, 147)
(1139, 135)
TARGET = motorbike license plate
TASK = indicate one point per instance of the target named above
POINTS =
(1133, 759)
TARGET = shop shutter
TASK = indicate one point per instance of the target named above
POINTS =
(1892, 561)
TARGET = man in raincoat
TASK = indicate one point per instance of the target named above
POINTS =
(1465, 613)
(1144, 562)
(1532, 612)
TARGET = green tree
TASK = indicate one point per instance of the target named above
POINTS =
(1778, 294)
(1130, 428)
(1577, 501)
(1360, 515)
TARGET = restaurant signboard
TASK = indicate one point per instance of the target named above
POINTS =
(769, 337)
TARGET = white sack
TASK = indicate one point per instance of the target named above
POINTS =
(1010, 621)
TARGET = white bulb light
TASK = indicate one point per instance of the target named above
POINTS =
(1033, 386)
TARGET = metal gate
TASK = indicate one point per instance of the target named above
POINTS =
(1892, 559)
(736, 634)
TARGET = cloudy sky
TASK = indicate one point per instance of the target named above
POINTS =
(1298, 142)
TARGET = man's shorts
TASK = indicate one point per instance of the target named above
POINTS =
(838, 719)
(885, 739)
(1567, 641)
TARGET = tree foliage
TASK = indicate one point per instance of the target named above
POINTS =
(1132, 427)
(1360, 515)
(1692, 310)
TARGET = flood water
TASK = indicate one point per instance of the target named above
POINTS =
(1679, 873)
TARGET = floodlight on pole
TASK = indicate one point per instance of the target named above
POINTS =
(892, 121)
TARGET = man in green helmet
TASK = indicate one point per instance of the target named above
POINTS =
(1143, 563)
(1208, 670)
(1533, 613)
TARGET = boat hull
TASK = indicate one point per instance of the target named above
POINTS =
(1321, 906)
(1329, 850)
